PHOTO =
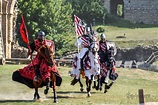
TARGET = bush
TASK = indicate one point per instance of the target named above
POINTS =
(100, 30)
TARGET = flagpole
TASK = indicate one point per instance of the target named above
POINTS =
(27, 40)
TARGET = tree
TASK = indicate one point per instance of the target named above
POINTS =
(89, 9)
(51, 16)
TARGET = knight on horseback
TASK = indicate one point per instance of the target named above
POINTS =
(87, 60)
(107, 51)
(42, 70)
(83, 42)
(37, 43)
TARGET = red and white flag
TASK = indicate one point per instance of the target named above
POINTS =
(79, 26)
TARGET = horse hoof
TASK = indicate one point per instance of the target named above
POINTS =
(46, 91)
(89, 94)
(55, 101)
(100, 89)
(105, 91)
(97, 88)
(81, 89)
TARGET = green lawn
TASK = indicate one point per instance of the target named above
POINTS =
(133, 36)
(123, 92)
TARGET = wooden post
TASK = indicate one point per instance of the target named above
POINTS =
(141, 97)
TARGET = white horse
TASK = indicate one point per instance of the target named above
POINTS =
(91, 65)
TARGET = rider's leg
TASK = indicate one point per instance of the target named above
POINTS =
(37, 72)
(82, 55)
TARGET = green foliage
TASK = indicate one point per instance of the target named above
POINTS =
(51, 16)
(100, 30)
(120, 10)
(89, 9)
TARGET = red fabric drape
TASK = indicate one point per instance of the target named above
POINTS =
(23, 31)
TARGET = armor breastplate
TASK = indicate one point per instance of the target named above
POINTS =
(103, 47)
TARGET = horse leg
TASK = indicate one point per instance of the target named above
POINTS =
(94, 86)
(108, 86)
(54, 87)
(98, 83)
(47, 86)
(81, 85)
(36, 85)
(101, 84)
(88, 83)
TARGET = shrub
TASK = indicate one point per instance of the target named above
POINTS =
(100, 30)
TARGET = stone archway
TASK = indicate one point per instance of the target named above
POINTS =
(114, 6)
(8, 16)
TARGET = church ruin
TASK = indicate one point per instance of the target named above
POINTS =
(7, 26)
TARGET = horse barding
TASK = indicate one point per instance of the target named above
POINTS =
(48, 73)
(91, 66)
(108, 68)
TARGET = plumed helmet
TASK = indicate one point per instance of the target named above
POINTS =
(102, 37)
(41, 35)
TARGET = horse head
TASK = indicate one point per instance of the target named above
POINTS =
(47, 53)
(94, 45)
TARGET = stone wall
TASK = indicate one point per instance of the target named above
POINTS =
(141, 11)
(18, 51)
(136, 11)
(138, 53)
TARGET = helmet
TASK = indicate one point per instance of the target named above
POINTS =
(87, 31)
(41, 35)
(102, 37)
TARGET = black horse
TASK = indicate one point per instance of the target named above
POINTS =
(108, 71)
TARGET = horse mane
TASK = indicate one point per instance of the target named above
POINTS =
(44, 48)
(47, 52)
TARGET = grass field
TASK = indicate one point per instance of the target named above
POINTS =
(123, 92)
(134, 36)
